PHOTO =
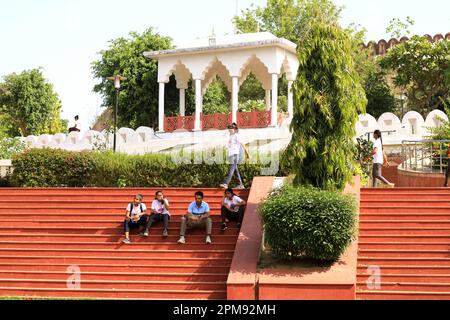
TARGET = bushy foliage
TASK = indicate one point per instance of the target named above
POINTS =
(29, 105)
(307, 222)
(10, 146)
(422, 68)
(59, 168)
(138, 104)
(328, 96)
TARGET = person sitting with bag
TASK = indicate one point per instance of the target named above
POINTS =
(136, 216)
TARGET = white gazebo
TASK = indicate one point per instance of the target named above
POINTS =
(232, 59)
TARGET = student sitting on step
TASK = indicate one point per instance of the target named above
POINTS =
(232, 209)
(136, 216)
(159, 212)
(198, 216)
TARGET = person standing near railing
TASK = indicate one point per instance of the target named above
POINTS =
(379, 159)
(447, 173)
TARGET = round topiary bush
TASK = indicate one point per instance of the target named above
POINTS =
(307, 222)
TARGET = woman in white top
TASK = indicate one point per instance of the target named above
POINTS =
(235, 150)
(379, 158)
(159, 212)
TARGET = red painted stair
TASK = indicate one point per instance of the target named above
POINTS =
(405, 235)
(45, 231)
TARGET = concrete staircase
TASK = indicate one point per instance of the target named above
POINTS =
(46, 234)
(406, 234)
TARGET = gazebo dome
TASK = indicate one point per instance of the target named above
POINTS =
(232, 59)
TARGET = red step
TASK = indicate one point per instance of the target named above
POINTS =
(113, 276)
(405, 232)
(155, 236)
(410, 278)
(401, 295)
(119, 268)
(103, 294)
(101, 259)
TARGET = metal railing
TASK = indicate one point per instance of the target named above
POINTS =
(430, 156)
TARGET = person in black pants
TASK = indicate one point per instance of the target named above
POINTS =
(232, 209)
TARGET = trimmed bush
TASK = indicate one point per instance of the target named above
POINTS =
(59, 168)
(310, 223)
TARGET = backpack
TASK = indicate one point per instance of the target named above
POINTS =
(140, 206)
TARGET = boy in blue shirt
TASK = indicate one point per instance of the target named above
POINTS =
(198, 216)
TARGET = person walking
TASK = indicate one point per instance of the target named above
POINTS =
(235, 154)
(379, 159)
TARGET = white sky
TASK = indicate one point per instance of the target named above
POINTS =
(64, 36)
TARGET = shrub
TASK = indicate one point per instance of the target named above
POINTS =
(10, 146)
(59, 168)
(307, 222)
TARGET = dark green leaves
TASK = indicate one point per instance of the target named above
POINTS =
(310, 223)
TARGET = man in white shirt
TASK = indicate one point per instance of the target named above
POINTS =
(76, 126)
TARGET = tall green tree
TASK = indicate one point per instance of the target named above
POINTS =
(422, 69)
(138, 101)
(328, 96)
(29, 105)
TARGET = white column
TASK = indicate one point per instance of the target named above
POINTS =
(161, 107)
(182, 102)
(235, 99)
(290, 100)
(198, 105)
(274, 100)
(267, 100)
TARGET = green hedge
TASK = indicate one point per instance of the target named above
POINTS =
(59, 168)
(307, 222)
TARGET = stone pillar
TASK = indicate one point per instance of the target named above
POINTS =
(182, 102)
(274, 121)
(268, 100)
(235, 99)
(290, 100)
(198, 105)
(162, 86)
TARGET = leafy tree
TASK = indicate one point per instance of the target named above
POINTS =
(328, 96)
(29, 105)
(422, 69)
(280, 17)
(217, 98)
(138, 101)
(379, 95)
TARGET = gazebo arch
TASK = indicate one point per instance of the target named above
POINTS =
(232, 59)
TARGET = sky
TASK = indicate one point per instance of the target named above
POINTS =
(63, 37)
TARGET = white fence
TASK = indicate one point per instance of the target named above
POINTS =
(144, 140)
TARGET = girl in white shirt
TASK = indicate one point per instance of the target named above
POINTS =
(235, 149)
(159, 212)
(379, 158)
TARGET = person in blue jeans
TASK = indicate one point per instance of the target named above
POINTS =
(136, 216)
(235, 153)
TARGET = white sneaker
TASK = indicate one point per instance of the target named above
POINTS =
(224, 186)
(208, 240)
(182, 240)
(391, 185)
(240, 187)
